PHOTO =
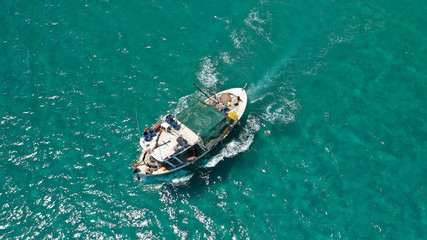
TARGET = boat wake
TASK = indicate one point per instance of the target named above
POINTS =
(274, 91)
(257, 91)
(241, 144)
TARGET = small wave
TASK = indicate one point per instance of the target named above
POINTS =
(240, 145)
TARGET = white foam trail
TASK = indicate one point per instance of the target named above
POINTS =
(182, 180)
(256, 22)
(241, 144)
(184, 102)
(180, 177)
(238, 38)
(281, 112)
(281, 106)
(207, 75)
(225, 56)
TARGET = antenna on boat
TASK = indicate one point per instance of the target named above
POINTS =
(213, 98)
(137, 122)
(200, 90)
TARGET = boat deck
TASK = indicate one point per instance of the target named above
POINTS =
(169, 141)
(236, 105)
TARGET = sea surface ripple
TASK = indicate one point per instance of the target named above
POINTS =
(333, 144)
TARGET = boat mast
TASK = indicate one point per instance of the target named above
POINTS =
(200, 90)
(137, 122)
(205, 94)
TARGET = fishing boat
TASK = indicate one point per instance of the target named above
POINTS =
(176, 142)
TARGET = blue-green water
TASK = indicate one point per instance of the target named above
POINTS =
(333, 144)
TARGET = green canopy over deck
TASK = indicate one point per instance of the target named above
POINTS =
(204, 119)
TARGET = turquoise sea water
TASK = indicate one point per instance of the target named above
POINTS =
(333, 144)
